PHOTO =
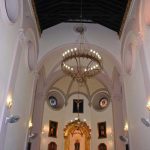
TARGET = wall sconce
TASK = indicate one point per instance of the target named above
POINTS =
(148, 105)
(30, 124)
(12, 119)
(145, 121)
(9, 101)
(32, 135)
(123, 138)
(126, 127)
(109, 131)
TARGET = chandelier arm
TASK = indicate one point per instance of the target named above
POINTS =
(78, 101)
(77, 64)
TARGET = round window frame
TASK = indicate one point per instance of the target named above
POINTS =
(104, 98)
(6, 14)
(101, 95)
(59, 95)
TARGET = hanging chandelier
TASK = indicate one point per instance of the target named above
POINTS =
(81, 62)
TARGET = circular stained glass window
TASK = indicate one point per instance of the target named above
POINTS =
(103, 102)
(52, 101)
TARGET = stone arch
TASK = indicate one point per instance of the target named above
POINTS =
(104, 77)
(56, 73)
(61, 48)
(72, 127)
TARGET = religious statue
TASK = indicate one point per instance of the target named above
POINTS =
(77, 145)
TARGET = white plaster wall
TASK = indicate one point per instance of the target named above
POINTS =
(63, 33)
(58, 116)
(136, 108)
(101, 117)
(22, 99)
(21, 86)
(7, 46)
(65, 115)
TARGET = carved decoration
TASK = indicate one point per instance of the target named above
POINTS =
(72, 127)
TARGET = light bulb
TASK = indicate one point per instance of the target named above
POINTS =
(30, 124)
(84, 120)
(9, 101)
(99, 57)
(126, 127)
(148, 105)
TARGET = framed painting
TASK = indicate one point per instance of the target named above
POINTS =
(102, 130)
(53, 129)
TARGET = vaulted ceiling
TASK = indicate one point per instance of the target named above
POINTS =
(108, 13)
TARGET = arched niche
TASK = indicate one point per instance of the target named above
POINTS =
(102, 146)
(32, 48)
(77, 131)
(52, 146)
(31, 57)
